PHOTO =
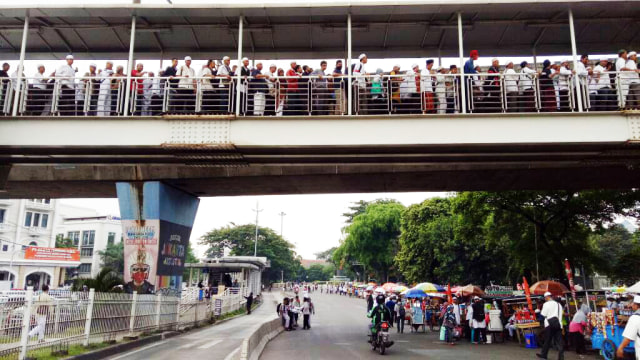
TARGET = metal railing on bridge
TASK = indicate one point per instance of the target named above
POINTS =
(380, 94)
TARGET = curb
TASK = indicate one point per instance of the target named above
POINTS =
(251, 348)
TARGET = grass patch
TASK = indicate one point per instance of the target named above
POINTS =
(236, 312)
(74, 350)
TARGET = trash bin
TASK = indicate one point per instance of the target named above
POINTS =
(530, 341)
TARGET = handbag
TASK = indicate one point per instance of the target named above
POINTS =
(554, 322)
(457, 332)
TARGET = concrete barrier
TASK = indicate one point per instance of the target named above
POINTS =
(253, 346)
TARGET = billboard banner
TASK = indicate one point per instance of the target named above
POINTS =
(51, 254)
(141, 239)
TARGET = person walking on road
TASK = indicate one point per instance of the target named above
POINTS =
(400, 315)
(632, 330)
(249, 303)
(391, 305)
(43, 303)
(552, 312)
(369, 302)
(306, 313)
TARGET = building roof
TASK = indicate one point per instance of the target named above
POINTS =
(278, 30)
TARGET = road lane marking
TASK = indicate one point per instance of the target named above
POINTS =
(210, 344)
(137, 351)
(232, 354)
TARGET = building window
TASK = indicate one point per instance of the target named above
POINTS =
(36, 219)
(75, 236)
(86, 252)
(27, 219)
(84, 268)
(88, 237)
(47, 201)
(45, 221)
(2, 212)
(110, 239)
(5, 247)
(33, 243)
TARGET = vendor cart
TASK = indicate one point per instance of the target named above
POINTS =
(418, 319)
(607, 339)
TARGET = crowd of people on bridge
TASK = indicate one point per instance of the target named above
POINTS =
(302, 90)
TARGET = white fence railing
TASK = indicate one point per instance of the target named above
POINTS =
(30, 328)
(378, 94)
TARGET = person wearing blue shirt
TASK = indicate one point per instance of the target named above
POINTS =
(469, 67)
(391, 305)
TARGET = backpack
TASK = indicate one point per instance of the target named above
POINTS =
(402, 312)
(278, 308)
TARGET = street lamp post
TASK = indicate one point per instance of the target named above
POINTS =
(282, 214)
(257, 210)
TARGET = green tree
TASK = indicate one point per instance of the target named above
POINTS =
(326, 255)
(64, 243)
(240, 239)
(190, 258)
(112, 257)
(360, 207)
(316, 273)
(107, 280)
(615, 247)
(372, 238)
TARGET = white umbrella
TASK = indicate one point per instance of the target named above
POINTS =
(379, 290)
(370, 288)
(635, 288)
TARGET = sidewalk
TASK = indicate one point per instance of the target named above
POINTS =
(217, 342)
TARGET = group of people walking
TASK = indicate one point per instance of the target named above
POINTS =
(290, 308)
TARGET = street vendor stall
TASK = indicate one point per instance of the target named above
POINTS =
(524, 322)
(607, 333)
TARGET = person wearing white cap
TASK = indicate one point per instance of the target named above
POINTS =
(552, 312)
(632, 330)
(410, 90)
(65, 76)
(633, 99)
(186, 93)
(359, 72)
(39, 93)
(224, 87)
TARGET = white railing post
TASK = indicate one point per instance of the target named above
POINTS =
(178, 304)
(89, 315)
(26, 321)
(23, 49)
(158, 310)
(239, 71)
(574, 52)
(132, 319)
(463, 92)
(349, 74)
(56, 318)
(127, 92)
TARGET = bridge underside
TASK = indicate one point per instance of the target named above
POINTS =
(317, 170)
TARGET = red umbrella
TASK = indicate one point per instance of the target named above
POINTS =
(389, 286)
(554, 287)
(470, 290)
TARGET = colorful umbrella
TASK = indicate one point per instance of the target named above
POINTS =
(389, 286)
(470, 290)
(429, 287)
(554, 287)
(379, 290)
(370, 288)
(400, 288)
(414, 293)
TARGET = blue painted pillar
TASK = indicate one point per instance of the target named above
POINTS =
(156, 223)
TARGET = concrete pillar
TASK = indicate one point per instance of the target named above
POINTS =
(156, 222)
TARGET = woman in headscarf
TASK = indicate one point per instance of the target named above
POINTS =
(576, 329)
(547, 90)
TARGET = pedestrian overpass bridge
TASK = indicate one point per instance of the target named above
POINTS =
(353, 150)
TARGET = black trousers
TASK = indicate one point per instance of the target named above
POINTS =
(306, 324)
(552, 335)
(400, 324)
(577, 341)
(67, 104)
(480, 334)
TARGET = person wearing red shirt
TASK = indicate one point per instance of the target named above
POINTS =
(293, 93)
(137, 85)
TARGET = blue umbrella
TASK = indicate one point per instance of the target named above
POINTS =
(414, 293)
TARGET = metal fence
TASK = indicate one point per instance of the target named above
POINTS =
(422, 93)
(33, 325)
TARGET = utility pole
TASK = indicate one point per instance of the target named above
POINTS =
(282, 214)
(257, 210)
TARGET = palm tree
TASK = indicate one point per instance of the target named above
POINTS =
(107, 280)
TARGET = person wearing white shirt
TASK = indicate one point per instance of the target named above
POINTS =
(441, 89)
(581, 79)
(564, 81)
(527, 77)
(604, 98)
(147, 93)
(65, 77)
(321, 89)
(552, 312)
(186, 87)
(104, 94)
(39, 92)
(224, 87)
(207, 75)
(633, 98)
(632, 330)
(360, 83)
(623, 74)
(271, 76)
(412, 90)
(426, 85)
(511, 87)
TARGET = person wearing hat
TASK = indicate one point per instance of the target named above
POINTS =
(39, 93)
(632, 330)
(270, 98)
(441, 89)
(186, 92)
(427, 88)
(395, 84)
(224, 74)
(359, 71)
(65, 76)
(411, 89)
(552, 312)
(633, 98)
(564, 83)
(477, 322)
(527, 77)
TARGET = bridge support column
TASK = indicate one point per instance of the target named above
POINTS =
(238, 76)
(156, 223)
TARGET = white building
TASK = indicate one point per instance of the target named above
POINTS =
(91, 234)
(30, 223)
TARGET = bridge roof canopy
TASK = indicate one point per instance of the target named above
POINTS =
(277, 30)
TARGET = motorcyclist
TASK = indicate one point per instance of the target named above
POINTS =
(378, 314)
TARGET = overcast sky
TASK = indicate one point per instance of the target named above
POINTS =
(312, 222)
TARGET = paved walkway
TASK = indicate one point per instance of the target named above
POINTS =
(217, 342)
(339, 329)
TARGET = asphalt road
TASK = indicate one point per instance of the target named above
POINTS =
(339, 329)
(217, 342)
